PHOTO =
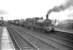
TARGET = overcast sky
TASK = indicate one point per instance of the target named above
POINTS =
(17, 9)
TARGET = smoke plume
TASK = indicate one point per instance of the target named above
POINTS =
(61, 7)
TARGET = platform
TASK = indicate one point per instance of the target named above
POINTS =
(64, 30)
(6, 43)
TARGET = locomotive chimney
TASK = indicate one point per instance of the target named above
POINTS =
(47, 16)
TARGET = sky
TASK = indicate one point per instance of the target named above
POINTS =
(62, 15)
(22, 9)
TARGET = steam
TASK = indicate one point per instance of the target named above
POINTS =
(61, 7)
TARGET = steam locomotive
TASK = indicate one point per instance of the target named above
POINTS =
(35, 24)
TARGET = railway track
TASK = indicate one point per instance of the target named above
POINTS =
(20, 43)
(66, 35)
(59, 43)
(60, 37)
(37, 43)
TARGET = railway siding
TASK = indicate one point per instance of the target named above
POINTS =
(41, 45)
(50, 41)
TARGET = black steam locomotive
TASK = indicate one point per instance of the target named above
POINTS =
(35, 24)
